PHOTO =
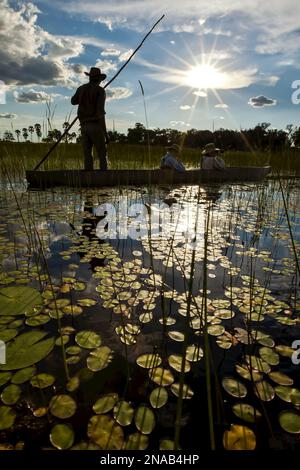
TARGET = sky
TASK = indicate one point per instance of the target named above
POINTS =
(209, 64)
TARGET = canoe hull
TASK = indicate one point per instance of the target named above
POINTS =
(97, 178)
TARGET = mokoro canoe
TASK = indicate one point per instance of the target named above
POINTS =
(97, 178)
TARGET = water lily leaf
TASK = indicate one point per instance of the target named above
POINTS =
(215, 330)
(148, 361)
(8, 334)
(73, 350)
(5, 377)
(144, 419)
(23, 375)
(176, 361)
(37, 320)
(26, 350)
(239, 438)
(105, 432)
(158, 397)
(167, 321)
(88, 339)
(258, 364)
(42, 380)
(264, 390)
(187, 392)
(280, 378)
(86, 302)
(246, 412)
(234, 387)
(136, 441)
(176, 335)
(269, 356)
(11, 394)
(18, 300)
(194, 353)
(62, 436)
(7, 417)
(62, 406)
(73, 384)
(288, 394)
(160, 376)
(99, 358)
(290, 421)
(248, 374)
(123, 413)
(105, 403)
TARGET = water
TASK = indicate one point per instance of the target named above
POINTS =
(147, 297)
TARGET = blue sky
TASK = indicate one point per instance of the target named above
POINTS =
(221, 63)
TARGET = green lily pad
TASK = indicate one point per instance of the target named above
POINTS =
(288, 394)
(264, 390)
(176, 361)
(26, 350)
(246, 412)
(88, 339)
(290, 421)
(105, 403)
(269, 356)
(160, 376)
(5, 377)
(73, 350)
(144, 419)
(187, 392)
(280, 378)
(105, 432)
(136, 441)
(194, 353)
(8, 334)
(7, 417)
(158, 397)
(73, 384)
(11, 394)
(18, 300)
(23, 375)
(42, 380)
(176, 335)
(239, 438)
(99, 358)
(148, 361)
(62, 436)
(234, 387)
(123, 413)
(37, 320)
(62, 406)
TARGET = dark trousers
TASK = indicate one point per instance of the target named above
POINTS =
(92, 135)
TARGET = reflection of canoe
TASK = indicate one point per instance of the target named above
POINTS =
(97, 178)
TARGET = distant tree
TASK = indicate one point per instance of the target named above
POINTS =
(18, 133)
(137, 134)
(8, 136)
(31, 131)
(25, 133)
(38, 131)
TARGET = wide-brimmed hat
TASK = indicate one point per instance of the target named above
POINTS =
(174, 147)
(95, 73)
(209, 148)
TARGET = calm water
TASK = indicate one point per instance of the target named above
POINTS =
(142, 303)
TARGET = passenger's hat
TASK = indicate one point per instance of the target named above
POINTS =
(95, 73)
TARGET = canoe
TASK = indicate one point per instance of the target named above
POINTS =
(97, 178)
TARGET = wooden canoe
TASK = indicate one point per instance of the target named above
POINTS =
(97, 178)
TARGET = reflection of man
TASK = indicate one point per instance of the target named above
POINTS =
(90, 98)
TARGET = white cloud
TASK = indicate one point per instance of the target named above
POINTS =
(8, 116)
(222, 106)
(34, 96)
(185, 107)
(261, 101)
(125, 55)
(118, 93)
(110, 52)
(200, 93)
(106, 66)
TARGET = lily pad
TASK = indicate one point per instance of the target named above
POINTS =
(11, 394)
(136, 441)
(162, 377)
(123, 413)
(269, 356)
(288, 394)
(18, 300)
(280, 378)
(105, 403)
(176, 362)
(144, 419)
(234, 387)
(23, 375)
(264, 390)
(290, 421)
(7, 417)
(62, 406)
(105, 432)
(26, 350)
(42, 380)
(8, 334)
(99, 358)
(5, 377)
(194, 353)
(158, 397)
(246, 412)
(88, 339)
(62, 436)
(148, 361)
(187, 392)
(239, 438)
(176, 336)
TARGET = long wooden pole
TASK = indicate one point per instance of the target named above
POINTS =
(107, 84)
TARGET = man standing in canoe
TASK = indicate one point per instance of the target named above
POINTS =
(90, 99)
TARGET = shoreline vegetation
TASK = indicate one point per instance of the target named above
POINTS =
(16, 157)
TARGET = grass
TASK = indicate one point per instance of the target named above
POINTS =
(18, 157)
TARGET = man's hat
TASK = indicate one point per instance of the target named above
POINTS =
(209, 148)
(95, 73)
(175, 147)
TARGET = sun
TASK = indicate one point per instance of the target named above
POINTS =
(204, 76)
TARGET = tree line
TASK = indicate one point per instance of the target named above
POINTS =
(261, 137)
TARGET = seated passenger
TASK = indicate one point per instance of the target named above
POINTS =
(171, 159)
(211, 159)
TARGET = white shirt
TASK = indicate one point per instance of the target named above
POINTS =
(168, 161)
(212, 163)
